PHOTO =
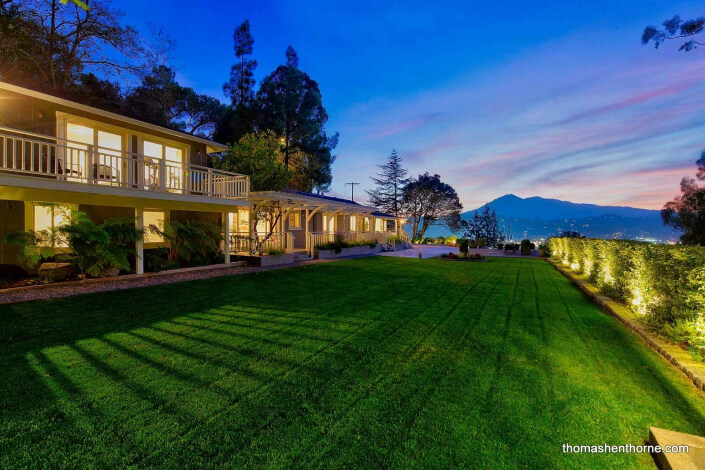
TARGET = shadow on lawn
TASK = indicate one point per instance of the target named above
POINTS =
(230, 326)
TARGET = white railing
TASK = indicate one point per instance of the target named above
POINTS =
(321, 238)
(50, 157)
(243, 242)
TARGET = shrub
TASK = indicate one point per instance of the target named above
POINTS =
(663, 284)
(276, 252)
(451, 240)
(194, 242)
(463, 245)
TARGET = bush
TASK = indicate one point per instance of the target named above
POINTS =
(194, 242)
(463, 245)
(526, 246)
(663, 284)
(276, 252)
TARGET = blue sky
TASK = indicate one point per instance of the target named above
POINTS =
(555, 100)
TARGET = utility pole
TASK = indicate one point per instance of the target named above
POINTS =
(352, 190)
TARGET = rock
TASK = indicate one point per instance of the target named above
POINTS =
(55, 272)
(110, 272)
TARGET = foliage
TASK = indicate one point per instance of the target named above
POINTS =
(662, 284)
(271, 214)
(687, 211)
(161, 100)
(35, 247)
(483, 226)
(339, 243)
(676, 28)
(387, 195)
(194, 242)
(289, 102)
(463, 245)
(276, 252)
(95, 248)
(240, 86)
(427, 200)
(258, 155)
(48, 44)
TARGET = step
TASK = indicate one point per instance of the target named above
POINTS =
(693, 459)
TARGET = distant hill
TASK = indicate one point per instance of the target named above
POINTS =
(537, 217)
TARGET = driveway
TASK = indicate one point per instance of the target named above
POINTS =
(427, 251)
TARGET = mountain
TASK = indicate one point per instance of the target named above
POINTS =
(537, 218)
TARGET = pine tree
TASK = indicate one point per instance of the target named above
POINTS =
(387, 196)
(240, 88)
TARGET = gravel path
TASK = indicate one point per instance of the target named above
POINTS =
(66, 289)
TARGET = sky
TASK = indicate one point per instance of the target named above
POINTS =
(552, 99)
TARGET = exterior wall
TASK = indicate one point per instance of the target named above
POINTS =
(182, 216)
(32, 114)
(98, 214)
(12, 215)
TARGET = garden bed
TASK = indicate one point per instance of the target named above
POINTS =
(349, 251)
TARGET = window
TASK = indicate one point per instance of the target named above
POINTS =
(50, 217)
(295, 220)
(106, 158)
(173, 157)
(243, 220)
(353, 223)
(155, 218)
(366, 224)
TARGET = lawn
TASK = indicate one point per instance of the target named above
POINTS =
(369, 362)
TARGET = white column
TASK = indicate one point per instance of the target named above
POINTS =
(139, 246)
(305, 221)
(226, 236)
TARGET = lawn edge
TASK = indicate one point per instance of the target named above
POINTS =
(674, 355)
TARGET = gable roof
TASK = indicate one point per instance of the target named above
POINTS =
(214, 146)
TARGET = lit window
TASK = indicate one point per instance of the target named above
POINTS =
(294, 220)
(243, 221)
(157, 219)
(49, 217)
(353, 223)
(153, 150)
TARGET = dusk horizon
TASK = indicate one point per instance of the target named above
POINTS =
(551, 101)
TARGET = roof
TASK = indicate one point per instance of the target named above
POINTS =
(214, 146)
(305, 199)
(320, 196)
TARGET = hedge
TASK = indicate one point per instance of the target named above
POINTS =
(663, 284)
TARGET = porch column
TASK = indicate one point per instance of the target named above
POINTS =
(139, 245)
(306, 229)
(226, 236)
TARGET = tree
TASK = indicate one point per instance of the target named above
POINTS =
(290, 103)
(687, 211)
(240, 88)
(485, 226)
(239, 117)
(387, 195)
(427, 200)
(48, 44)
(258, 155)
(161, 100)
(676, 28)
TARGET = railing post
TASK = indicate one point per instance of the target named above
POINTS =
(211, 188)
(89, 164)
(226, 230)
(162, 175)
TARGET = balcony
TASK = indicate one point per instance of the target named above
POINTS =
(30, 154)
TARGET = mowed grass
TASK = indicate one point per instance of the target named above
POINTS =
(376, 362)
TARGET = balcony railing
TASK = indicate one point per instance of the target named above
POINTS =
(43, 156)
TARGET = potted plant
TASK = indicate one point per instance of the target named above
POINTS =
(526, 247)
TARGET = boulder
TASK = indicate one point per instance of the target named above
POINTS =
(55, 272)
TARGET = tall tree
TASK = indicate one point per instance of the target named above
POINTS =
(687, 211)
(161, 100)
(389, 184)
(258, 155)
(427, 201)
(240, 88)
(48, 44)
(290, 103)
(485, 225)
(677, 29)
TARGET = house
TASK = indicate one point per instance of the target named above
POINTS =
(59, 157)
(57, 151)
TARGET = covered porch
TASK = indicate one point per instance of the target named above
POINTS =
(299, 221)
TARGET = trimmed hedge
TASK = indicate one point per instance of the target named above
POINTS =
(663, 284)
